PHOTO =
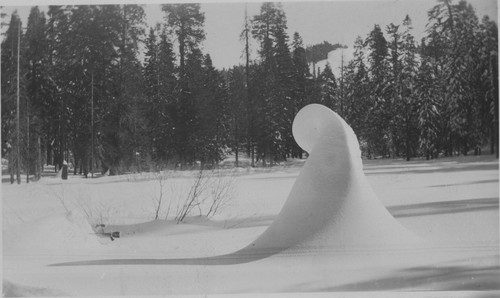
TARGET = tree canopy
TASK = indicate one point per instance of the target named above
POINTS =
(100, 90)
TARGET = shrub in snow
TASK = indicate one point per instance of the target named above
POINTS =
(192, 198)
(159, 195)
(82, 203)
(209, 193)
(221, 192)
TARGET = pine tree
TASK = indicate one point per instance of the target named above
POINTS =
(58, 58)
(14, 98)
(356, 92)
(394, 88)
(379, 115)
(427, 109)
(186, 21)
(88, 65)
(129, 91)
(329, 96)
(188, 118)
(214, 120)
(153, 108)
(80, 71)
(408, 77)
(301, 84)
(160, 81)
(262, 29)
(402, 124)
(455, 29)
(435, 49)
(237, 92)
(276, 67)
(284, 104)
(167, 79)
(250, 107)
(489, 78)
(40, 89)
(301, 68)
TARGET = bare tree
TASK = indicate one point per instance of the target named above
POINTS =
(193, 198)
(209, 192)
(221, 192)
(161, 178)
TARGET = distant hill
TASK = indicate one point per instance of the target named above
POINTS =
(320, 51)
(335, 58)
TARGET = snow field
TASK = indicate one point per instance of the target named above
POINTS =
(470, 235)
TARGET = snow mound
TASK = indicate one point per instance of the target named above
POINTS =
(62, 231)
(331, 205)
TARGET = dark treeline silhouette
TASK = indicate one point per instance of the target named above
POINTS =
(87, 94)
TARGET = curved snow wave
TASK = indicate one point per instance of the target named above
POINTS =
(331, 204)
(331, 207)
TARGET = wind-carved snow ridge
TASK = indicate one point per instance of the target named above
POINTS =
(331, 207)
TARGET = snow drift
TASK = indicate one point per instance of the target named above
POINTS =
(331, 206)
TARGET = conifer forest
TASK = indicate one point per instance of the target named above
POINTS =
(94, 86)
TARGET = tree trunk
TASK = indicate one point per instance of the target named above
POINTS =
(492, 139)
(253, 156)
(408, 136)
(48, 153)
(75, 166)
(450, 146)
(247, 80)
(236, 137)
(39, 160)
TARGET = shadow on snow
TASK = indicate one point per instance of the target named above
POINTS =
(444, 207)
(449, 278)
(238, 257)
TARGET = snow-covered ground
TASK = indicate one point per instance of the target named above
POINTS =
(451, 200)
(278, 233)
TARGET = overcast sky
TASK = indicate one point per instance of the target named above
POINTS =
(316, 21)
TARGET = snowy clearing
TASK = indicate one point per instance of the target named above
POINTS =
(319, 227)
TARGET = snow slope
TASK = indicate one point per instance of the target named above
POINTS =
(335, 58)
(452, 203)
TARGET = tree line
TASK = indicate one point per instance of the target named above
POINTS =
(99, 89)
